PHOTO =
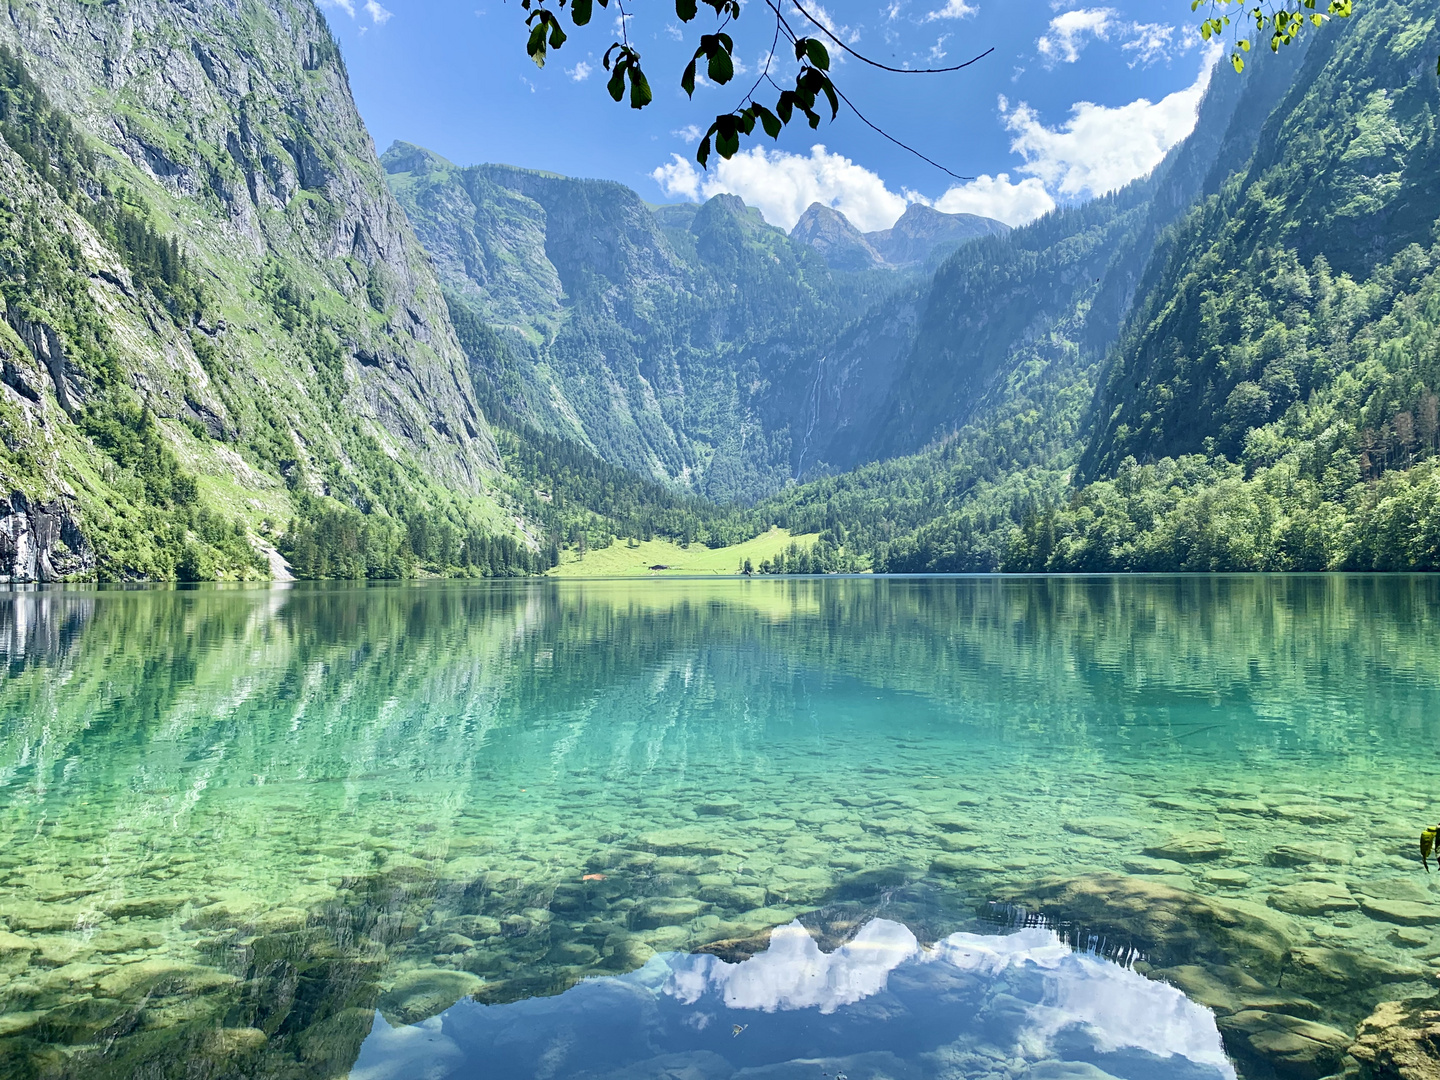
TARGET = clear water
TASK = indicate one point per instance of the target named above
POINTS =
(292, 832)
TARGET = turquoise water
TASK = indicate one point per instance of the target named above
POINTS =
(269, 832)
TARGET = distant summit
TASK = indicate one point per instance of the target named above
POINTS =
(840, 244)
(921, 234)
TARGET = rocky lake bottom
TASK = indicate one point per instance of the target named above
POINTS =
(446, 830)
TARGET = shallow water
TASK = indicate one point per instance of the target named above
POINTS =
(236, 823)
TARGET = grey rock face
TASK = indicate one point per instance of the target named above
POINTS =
(923, 233)
(840, 244)
(40, 542)
(238, 120)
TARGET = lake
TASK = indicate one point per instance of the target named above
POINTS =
(990, 828)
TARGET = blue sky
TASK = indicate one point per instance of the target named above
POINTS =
(1077, 98)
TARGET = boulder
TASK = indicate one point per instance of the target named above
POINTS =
(1171, 926)
(1309, 853)
(1293, 1047)
(1191, 847)
(1401, 912)
(1313, 898)
(1400, 1040)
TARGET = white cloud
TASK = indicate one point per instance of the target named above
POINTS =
(782, 185)
(937, 51)
(1068, 33)
(347, 6)
(826, 21)
(690, 133)
(679, 179)
(1151, 42)
(580, 72)
(996, 197)
(1100, 149)
(953, 9)
(378, 15)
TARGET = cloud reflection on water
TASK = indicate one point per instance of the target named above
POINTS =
(1025, 998)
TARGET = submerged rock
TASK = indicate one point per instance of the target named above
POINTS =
(1307, 853)
(1171, 926)
(419, 995)
(1293, 1047)
(1313, 898)
(1399, 1039)
(1402, 912)
(1191, 847)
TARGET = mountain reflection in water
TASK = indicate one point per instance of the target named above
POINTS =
(1022, 1006)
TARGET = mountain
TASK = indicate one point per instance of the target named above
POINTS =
(840, 244)
(656, 337)
(214, 310)
(1251, 384)
(923, 233)
(920, 236)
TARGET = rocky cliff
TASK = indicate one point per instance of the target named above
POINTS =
(662, 339)
(212, 303)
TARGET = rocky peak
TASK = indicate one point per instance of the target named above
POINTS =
(839, 243)
(923, 231)
(921, 234)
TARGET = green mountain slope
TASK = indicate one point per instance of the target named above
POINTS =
(665, 340)
(214, 312)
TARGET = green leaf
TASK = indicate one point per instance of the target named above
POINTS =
(702, 152)
(721, 68)
(768, 120)
(536, 45)
(815, 52)
(640, 94)
(616, 85)
(1237, 62)
(580, 11)
(557, 34)
(727, 144)
(685, 10)
(687, 80)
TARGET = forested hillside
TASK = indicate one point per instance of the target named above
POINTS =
(1268, 402)
(216, 319)
(225, 353)
(661, 339)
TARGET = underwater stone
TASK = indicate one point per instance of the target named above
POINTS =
(1312, 898)
(1401, 912)
(737, 897)
(1190, 847)
(1106, 828)
(1228, 879)
(1399, 1039)
(1306, 853)
(1312, 814)
(660, 911)
(683, 841)
(419, 995)
(1292, 1046)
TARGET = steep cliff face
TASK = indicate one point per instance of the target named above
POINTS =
(208, 256)
(661, 338)
(1268, 311)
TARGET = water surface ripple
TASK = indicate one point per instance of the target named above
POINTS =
(296, 832)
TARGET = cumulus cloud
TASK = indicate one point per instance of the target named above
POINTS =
(1099, 148)
(347, 6)
(378, 15)
(953, 9)
(783, 185)
(1069, 32)
(690, 133)
(1150, 42)
(580, 72)
(996, 197)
